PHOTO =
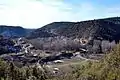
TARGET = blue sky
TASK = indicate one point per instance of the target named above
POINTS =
(37, 13)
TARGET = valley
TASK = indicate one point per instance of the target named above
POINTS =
(57, 48)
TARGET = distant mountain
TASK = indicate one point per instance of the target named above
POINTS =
(106, 29)
(14, 31)
(96, 36)
(50, 30)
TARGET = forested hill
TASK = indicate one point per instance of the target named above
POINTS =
(107, 29)
(14, 31)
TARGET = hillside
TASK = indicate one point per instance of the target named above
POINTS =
(14, 31)
(107, 29)
(96, 36)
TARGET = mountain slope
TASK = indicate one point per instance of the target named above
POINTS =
(14, 31)
(49, 30)
(107, 29)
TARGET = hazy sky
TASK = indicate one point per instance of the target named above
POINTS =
(36, 13)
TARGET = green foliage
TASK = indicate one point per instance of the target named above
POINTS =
(8, 71)
(106, 69)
